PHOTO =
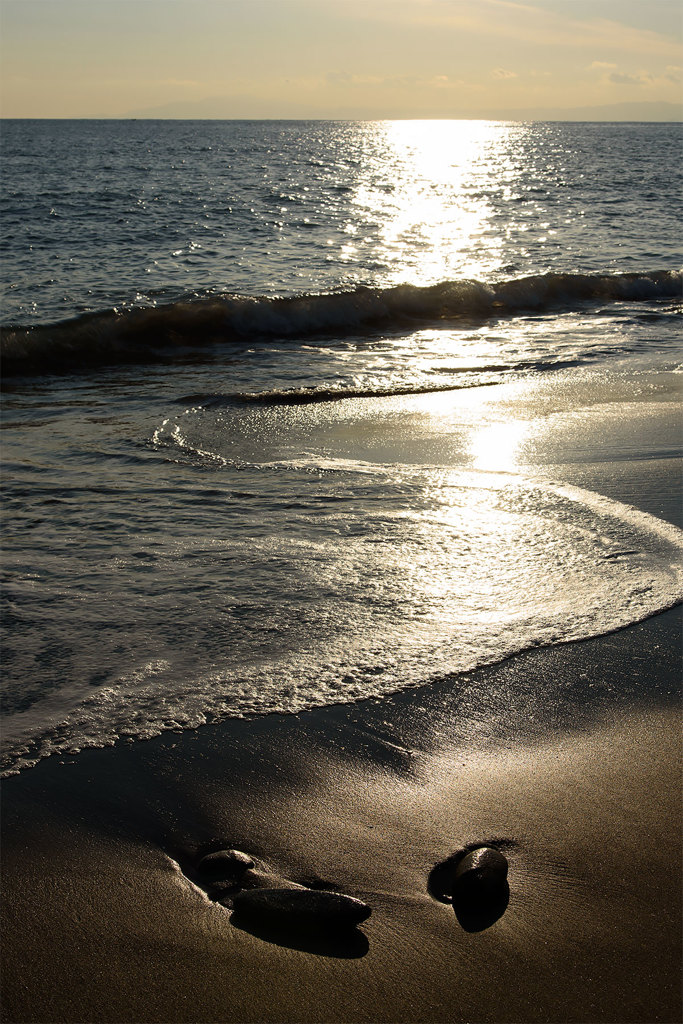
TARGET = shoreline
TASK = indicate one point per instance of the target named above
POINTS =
(568, 758)
(367, 799)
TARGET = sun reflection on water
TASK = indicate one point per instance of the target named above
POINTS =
(431, 198)
(495, 446)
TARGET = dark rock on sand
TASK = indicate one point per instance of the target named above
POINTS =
(480, 889)
(474, 881)
(222, 889)
(480, 874)
(441, 881)
(258, 878)
(253, 878)
(301, 908)
(224, 866)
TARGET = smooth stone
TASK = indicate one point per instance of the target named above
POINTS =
(480, 875)
(225, 892)
(222, 888)
(225, 865)
(302, 907)
(254, 878)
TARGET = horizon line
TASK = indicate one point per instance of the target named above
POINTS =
(173, 117)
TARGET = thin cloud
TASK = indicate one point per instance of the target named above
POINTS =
(638, 79)
(338, 77)
(525, 22)
(445, 82)
(503, 73)
(619, 78)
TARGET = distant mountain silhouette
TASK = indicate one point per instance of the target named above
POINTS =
(641, 111)
(247, 107)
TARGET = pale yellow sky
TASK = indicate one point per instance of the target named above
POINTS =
(339, 58)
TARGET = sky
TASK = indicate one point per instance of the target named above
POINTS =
(341, 58)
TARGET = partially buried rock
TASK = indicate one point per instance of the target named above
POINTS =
(480, 877)
(223, 889)
(307, 908)
(257, 878)
(224, 866)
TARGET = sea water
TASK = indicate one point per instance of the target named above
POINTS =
(250, 460)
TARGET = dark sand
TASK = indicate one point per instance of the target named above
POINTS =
(567, 757)
(99, 924)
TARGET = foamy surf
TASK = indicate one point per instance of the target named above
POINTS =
(491, 566)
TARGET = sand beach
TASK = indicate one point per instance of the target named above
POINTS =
(101, 924)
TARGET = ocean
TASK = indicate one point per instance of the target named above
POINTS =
(279, 402)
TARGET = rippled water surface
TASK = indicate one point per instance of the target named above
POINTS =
(98, 214)
(253, 454)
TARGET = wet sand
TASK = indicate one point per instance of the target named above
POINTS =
(101, 924)
(567, 758)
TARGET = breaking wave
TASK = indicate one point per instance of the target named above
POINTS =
(162, 332)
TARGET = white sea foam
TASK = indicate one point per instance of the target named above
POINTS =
(489, 565)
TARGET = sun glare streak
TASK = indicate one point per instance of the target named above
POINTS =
(495, 447)
(435, 213)
(469, 513)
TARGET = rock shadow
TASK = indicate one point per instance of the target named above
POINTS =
(348, 944)
(476, 908)
(476, 916)
(440, 880)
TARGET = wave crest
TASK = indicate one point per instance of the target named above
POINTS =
(160, 333)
